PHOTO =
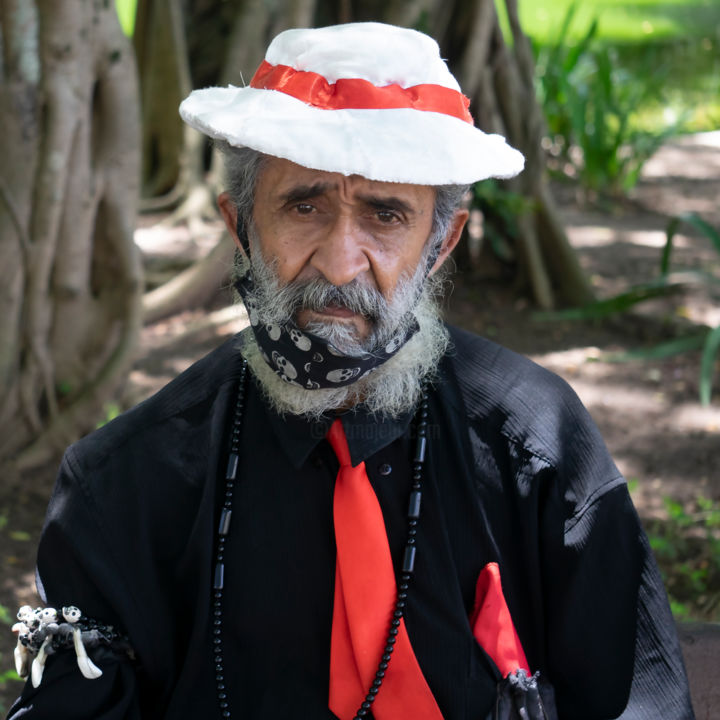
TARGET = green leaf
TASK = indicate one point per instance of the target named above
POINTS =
(126, 10)
(704, 227)
(694, 220)
(660, 545)
(9, 676)
(661, 350)
(617, 304)
(707, 364)
(679, 610)
(5, 616)
(576, 52)
(20, 535)
(704, 503)
(674, 508)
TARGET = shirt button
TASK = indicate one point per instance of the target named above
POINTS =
(385, 469)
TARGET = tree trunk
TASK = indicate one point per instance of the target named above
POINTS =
(499, 80)
(68, 188)
(253, 27)
(162, 58)
(192, 287)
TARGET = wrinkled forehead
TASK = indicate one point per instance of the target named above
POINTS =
(281, 179)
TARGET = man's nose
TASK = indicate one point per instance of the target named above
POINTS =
(340, 254)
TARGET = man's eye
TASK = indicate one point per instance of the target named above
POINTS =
(304, 208)
(387, 216)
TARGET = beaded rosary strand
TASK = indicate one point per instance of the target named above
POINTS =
(222, 535)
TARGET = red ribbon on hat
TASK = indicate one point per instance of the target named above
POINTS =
(359, 94)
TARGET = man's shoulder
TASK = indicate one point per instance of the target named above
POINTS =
(144, 480)
(192, 394)
(490, 375)
(507, 393)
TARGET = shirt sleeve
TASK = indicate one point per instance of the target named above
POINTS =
(612, 644)
(65, 694)
(75, 567)
(659, 687)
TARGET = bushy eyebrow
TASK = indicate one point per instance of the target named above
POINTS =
(388, 203)
(304, 192)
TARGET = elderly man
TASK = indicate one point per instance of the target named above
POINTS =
(350, 510)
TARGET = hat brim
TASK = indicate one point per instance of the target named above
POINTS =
(391, 145)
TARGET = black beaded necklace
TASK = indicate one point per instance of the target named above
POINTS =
(408, 564)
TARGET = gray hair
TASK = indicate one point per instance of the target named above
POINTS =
(242, 169)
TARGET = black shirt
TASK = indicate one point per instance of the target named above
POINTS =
(516, 474)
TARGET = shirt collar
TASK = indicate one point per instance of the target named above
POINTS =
(366, 433)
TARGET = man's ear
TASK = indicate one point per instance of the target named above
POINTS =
(451, 238)
(229, 213)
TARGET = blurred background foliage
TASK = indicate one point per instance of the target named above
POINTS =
(616, 79)
(679, 37)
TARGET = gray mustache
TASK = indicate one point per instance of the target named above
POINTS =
(318, 294)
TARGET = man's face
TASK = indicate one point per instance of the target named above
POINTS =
(312, 224)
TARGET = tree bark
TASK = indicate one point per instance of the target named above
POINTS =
(66, 217)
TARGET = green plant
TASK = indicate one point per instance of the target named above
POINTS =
(111, 410)
(501, 208)
(705, 339)
(679, 35)
(590, 103)
(555, 63)
(711, 340)
(687, 547)
(126, 14)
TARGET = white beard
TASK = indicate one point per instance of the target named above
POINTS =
(393, 389)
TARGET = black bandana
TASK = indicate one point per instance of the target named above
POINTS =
(303, 359)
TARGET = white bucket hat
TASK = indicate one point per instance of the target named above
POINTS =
(363, 98)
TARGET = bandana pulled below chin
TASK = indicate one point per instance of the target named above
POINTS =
(305, 360)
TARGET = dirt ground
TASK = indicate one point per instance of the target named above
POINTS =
(648, 411)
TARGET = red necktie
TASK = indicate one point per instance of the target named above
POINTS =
(365, 595)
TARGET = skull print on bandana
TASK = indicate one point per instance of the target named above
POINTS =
(305, 360)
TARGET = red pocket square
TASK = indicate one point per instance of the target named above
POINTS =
(492, 625)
